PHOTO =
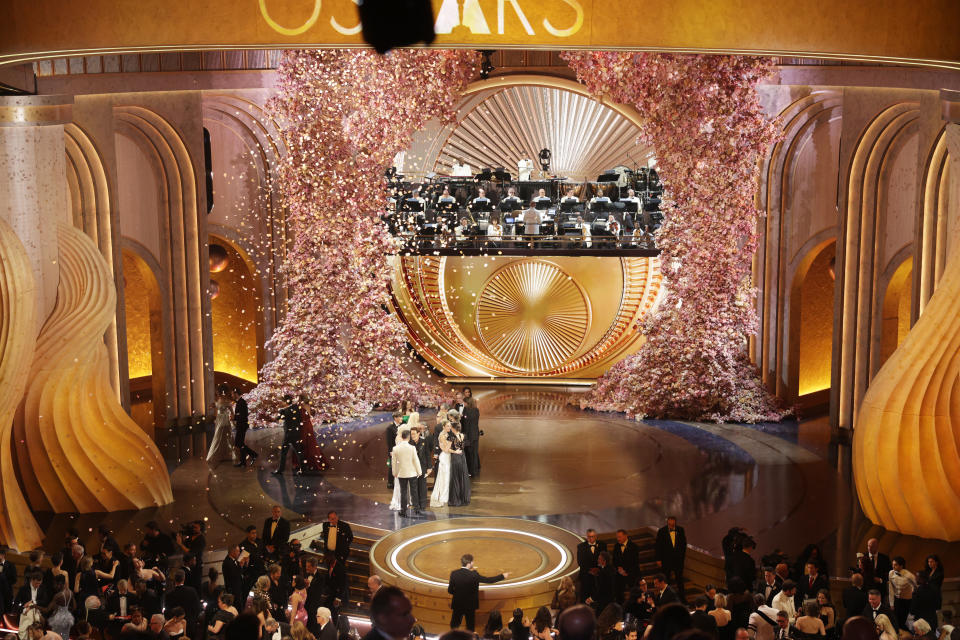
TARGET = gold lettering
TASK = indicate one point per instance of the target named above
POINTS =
(286, 30)
(565, 33)
(517, 10)
(347, 31)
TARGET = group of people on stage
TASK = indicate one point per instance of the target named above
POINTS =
(450, 452)
(232, 415)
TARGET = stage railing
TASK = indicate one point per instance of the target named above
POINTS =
(527, 244)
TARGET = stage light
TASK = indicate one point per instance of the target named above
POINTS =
(396, 23)
(545, 157)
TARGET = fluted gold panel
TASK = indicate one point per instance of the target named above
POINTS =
(18, 528)
(525, 317)
(906, 441)
(532, 316)
(77, 450)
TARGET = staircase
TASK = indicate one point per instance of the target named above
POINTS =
(645, 538)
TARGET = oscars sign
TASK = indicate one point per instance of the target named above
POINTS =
(460, 20)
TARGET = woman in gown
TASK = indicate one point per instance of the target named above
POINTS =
(221, 447)
(459, 477)
(312, 454)
(441, 485)
(413, 422)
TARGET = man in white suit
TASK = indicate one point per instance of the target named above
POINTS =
(406, 468)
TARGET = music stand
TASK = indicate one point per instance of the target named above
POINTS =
(412, 204)
(541, 204)
(509, 204)
(630, 206)
(480, 204)
(568, 204)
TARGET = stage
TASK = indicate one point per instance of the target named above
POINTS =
(546, 460)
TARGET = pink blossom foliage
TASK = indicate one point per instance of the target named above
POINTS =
(344, 115)
(704, 119)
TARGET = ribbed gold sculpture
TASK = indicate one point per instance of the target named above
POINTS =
(906, 440)
(77, 450)
(18, 528)
(532, 316)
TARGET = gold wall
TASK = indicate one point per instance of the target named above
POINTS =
(136, 299)
(525, 317)
(234, 318)
(816, 324)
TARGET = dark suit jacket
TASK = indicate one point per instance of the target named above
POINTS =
(113, 603)
(761, 587)
(605, 590)
(279, 596)
(868, 614)
(667, 554)
(188, 598)
(290, 419)
(281, 536)
(741, 564)
(390, 435)
(471, 425)
(666, 597)
(809, 591)
(628, 558)
(241, 414)
(704, 621)
(882, 571)
(424, 453)
(854, 601)
(233, 580)
(23, 596)
(329, 632)
(465, 588)
(585, 558)
(344, 539)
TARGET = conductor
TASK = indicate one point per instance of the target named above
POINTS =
(465, 589)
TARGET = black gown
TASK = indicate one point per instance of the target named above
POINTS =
(459, 477)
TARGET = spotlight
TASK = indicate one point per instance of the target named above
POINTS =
(396, 23)
(545, 157)
(486, 67)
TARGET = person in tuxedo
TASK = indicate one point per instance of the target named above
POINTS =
(424, 448)
(464, 586)
(407, 471)
(188, 599)
(241, 419)
(276, 534)
(670, 550)
(878, 565)
(769, 585)
(662, 593)
(458, 404)
(391, 436)
(604, 591)
(337, 537)
(232, 571)
(9, 574)
(742, 565)
(811, 584)
(147, 598)
(33, 591)
(278, 592)
(875, 607)
(316, 592)
(702, 620)
(587, 553)
(338, 590)
(626, 563)
(391, 615)
(122, 600)
(326, 630)
(854, 597)
(471, 435)
(255, 566)
(290, 419)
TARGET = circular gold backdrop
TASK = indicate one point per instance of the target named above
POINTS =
(532, 316)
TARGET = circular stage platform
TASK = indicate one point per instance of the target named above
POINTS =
(419, 559)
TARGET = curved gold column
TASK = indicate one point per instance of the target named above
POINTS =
(18, 528)
(75, 445)
(906, 444)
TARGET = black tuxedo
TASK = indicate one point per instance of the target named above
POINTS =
(704, 622)
(241, 418)
(881, 569)
(741, 564)
(854, 601)
(279, 595)
(471, 439)
(761, 588)
(627, 558)
(329, 631)
(279, 538)
(187, 597)
(668, 596)
(233, 580)
(883, 609)
(24, 595)
(604, 590)
(113, 603)
(424, 454)
(149, 602)
(587, 560)
(344, 539)
(672, 556)
(809, 591)
(390, 435)
(316, 594)
(337, 585)
(464, 586)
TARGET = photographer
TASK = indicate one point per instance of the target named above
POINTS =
(190, 540)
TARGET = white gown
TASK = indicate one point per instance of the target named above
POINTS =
(221, 446)
(441, 486)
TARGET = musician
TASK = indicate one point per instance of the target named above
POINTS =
(481, 195)
(613, 226)
(495, 231)
(461, 230)
(584, 231)
(512, 196)
(632, 220)
(445, 197)
(569, 196)
(461, 169)
(531, 220)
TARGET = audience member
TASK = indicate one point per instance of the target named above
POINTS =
(885, 627)
(491, 630)
(520, 626)
(576, 623)
(828, 613)
(901, 584)
(876, 608)
(721, 614)
(854, 597)
(785, 601)
(769, 585)
(565, 595)
(669, 620)
(809, 625)
(702, 620)
(670, 549)
(763, 621)
(326, 630)
(391, 615)
(926, 601)
(609, 624)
